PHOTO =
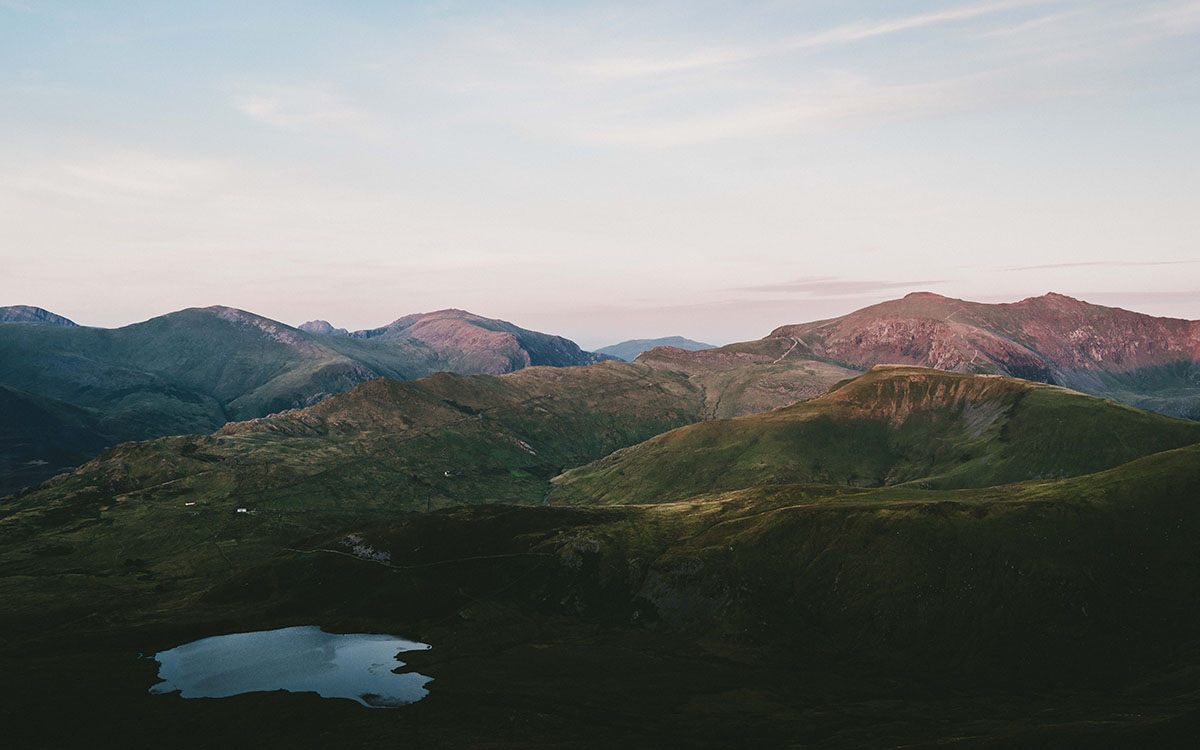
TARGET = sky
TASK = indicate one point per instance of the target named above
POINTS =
(603, 171)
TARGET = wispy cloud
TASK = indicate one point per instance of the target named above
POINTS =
(1172, 18)
(840, 35)
(1033, 23)
(838, 97)
(838, 287)
(1136, 299)
(297, 108)
(1104, 264)
(131, 173)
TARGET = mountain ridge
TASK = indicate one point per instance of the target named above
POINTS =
(893, 425)
(629, 350)
(31, 314)
(193, 370)
(1143, 360)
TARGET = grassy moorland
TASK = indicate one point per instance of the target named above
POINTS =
(1050, 613)
(71, 391)
(891, 426)
(1058, 611)
(417, 445)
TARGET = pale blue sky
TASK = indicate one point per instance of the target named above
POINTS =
(601, 170)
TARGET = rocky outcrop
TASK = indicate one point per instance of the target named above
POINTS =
(323, 326)
(31, 314)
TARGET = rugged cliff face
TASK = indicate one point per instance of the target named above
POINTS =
(1149, 362)
(1050, 335)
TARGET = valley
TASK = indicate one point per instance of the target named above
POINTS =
(915, 555)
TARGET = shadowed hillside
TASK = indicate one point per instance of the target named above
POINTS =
(193, 370)
(40, 437)
(1056, 613)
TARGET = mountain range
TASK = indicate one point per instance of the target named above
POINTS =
(628, 350)
(72, 388)
(1130, 357)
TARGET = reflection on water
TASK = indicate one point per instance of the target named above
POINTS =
(300, 659)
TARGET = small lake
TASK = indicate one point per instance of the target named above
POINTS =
(300, 660)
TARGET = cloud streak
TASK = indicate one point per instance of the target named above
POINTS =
(837, 36)
(838, 287)
(1104, 264)
(305, 108)
(838, 98)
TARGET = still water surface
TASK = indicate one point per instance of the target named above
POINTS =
(301, 659)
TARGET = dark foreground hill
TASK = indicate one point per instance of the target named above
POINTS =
(1055, 612)
(40, 437)
(1137, 359)
(194, 370)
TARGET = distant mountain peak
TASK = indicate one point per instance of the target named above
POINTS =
(926, 295)
(1054, 299)
(31, 314)
(629, 350)
(322, 326)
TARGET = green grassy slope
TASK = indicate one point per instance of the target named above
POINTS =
(892, 425)
(840, 615)
(388, 443)
(890, 567)
(400, 445)
(1093, 574)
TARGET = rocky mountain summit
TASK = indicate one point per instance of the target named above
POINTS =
(1044, 337)
(1139, 359)
(323, 326)
(472, 343)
